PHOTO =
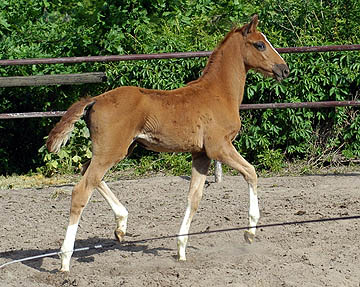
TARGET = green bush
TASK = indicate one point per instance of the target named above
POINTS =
(70, 157)
(39, 28)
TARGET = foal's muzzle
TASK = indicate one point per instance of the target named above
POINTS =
(281, 71)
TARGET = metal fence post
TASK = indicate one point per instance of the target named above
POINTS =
(218, 171)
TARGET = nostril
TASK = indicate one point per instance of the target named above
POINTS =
(281, 71)
(286, 72)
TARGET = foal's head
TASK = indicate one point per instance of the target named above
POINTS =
(260, 55)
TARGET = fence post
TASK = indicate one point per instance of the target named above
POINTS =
(218, 171)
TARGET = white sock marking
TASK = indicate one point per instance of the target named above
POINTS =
(121, 214)
(182, 240)
(254, 213)
(68, 246)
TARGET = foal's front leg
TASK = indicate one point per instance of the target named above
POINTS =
(200, 167)
(254, 214)
(227, 154)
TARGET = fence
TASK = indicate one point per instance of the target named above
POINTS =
(114, 58)
(68, 79)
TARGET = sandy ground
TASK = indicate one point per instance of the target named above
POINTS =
(33, 221)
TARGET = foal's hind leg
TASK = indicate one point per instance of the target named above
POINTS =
(79, 199)
(229, 156)
(200, 166)
(120, 212)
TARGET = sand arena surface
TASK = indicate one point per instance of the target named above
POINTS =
(33, 222)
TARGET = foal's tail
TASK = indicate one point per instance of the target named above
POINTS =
(61, 132)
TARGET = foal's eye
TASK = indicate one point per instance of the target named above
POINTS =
(260, 46)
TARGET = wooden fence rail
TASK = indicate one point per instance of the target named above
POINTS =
(48, 80)
(307, 105)
(115, 58)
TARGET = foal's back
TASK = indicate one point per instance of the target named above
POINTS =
(174, 120)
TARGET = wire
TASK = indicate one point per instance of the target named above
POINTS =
(100, 246)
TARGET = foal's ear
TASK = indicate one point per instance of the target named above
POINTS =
(251, 27)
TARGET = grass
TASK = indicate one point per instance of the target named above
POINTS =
(38, 180)
(35, 181)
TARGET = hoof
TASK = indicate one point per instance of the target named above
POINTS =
(119, 235)
(249, 237)
(181, 259)
(64, 270)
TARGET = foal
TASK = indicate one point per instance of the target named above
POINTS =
(201, 118)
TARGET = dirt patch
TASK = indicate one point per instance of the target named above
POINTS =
(33, 222)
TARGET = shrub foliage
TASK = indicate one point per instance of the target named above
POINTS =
(43, 28)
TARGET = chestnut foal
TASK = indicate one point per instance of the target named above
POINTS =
(201, 118)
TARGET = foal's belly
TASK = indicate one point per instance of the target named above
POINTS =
(162, 143)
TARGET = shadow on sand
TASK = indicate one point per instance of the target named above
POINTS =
(93, 246)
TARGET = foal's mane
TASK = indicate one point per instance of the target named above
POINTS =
(214, 55)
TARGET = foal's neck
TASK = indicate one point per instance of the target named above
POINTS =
(226, 71)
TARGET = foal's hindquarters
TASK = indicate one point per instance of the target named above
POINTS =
(107, 150)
